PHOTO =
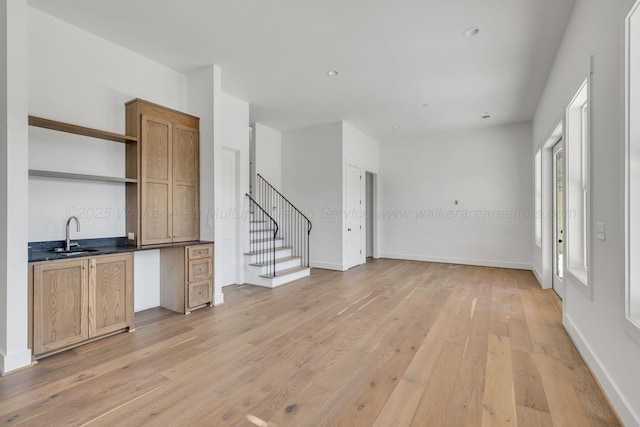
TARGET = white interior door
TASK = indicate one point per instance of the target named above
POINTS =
(369, 214)
(559, 252)
(227, 238)
(252, 160)
(353, 217)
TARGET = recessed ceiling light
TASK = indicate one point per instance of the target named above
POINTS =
(332, 73)
(471, 31)
(486, 115)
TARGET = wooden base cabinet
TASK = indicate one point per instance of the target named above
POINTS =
(79, 300)
(60, 305)
(186, 277)
(110, 294)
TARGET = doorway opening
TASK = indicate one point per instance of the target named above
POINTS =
(559, 257)
(353, 217)
(553, 212)
(370, 215)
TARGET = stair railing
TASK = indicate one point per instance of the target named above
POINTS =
(294, 226)
(263, 247)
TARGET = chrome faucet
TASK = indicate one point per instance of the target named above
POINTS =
(67, 242)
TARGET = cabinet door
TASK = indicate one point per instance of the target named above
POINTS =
(186, 187)
(59, 305)
(156, 176)
(110, 294)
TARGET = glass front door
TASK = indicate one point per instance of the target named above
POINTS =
(558, 218)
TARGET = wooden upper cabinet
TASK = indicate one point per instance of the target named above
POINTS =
(156, 180)
(164, 206)
(186, 175)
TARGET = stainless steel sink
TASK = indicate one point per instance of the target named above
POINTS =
(87, 251)
(74, 251)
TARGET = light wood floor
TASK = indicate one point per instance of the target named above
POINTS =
(392, 343)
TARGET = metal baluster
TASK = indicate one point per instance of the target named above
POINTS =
(287, 223)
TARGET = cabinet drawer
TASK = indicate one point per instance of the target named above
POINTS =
(199, 293)
(196, 252)
(200, 269)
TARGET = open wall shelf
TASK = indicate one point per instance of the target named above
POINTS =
(79, 130)
(80, 177)
(84, 131)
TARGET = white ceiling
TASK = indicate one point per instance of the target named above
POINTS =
(393, 55)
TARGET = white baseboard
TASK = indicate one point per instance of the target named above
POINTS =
(626, 412)
(537, 274)
(11, 362)
(462, 261)
(218, 299)
(326, 265)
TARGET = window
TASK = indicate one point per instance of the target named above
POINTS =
(577, 180)
(538, 201)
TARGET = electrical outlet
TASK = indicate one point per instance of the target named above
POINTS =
(601, 231)
(131, 236)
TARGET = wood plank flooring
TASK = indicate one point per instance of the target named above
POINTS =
(392, 343)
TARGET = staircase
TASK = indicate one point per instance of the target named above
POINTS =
(279, 236)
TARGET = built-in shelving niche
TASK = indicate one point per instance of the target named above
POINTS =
(84, 131)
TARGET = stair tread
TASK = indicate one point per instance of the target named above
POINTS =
(286, 272)
(262, 230)
(271, 239)
(264, 251)
(283, 259)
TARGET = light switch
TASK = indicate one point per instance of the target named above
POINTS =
(600, 231)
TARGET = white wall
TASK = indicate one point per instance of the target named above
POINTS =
(79, 78)
(200, 102)
(235, 136)
(312, 179)
(269, 154)
(146, 279)
(360, 149)
(14, 353)
(487, 170)
(597, 28)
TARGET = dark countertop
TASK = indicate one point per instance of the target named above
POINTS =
(44, 251)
